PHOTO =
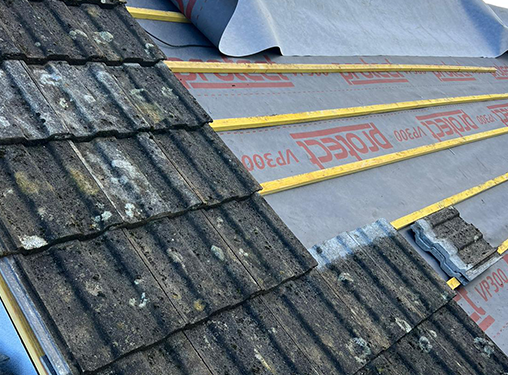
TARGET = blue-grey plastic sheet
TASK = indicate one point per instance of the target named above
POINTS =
(350, 27)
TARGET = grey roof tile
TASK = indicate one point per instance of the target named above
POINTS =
(209, 165)
(48, 195)
(137, 177)
(377, 260)
(160, 96)
(80, 102)
(113, 181)
(100, 297)
(24, 112)
(248, 340)
(262, 242)
(459, 246)
(447, 343)
(45, 30)
(323, 326)
(194, 265)
(175, 356)
(88, 99)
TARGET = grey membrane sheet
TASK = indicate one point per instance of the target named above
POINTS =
(350, 27)
(324, 209)
(488, 212)
(284, 151)
(242, 95)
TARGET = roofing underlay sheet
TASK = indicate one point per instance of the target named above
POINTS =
(349, 27)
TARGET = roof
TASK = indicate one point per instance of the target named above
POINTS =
(459, 246)
(143, 245)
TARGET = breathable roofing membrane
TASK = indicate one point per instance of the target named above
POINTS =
(350, 27)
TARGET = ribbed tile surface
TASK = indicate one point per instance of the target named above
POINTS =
(38, 31)
(194, 265)
(159, 96)
(459, 246)
(137, 177)
(58, 100)
(149, 281)
(447, 343)
(88, 99)
(102, 300)
(64, 190)
(175, 356)
(375, 260)
(248, 340)
(369, 290)
(325, 328)
(24, 112)
(47, 194)
(262, 242)
(212, 168)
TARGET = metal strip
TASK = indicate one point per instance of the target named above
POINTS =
(24, 330)
(157, 15)
(330, 114)
(211, 67)
(292, 182)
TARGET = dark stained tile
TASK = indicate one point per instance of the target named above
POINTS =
(76, 190)
(100, 298)
(48, 195)
(88, 99)
(59, 101)
(160, 96)
(424, 291)
(174, 356)
(248, 340)
(57, 20)
(118, 35)
(195, 266)
(262, 242)
(207, 164)
(323, 326)
(376, 260)
(447, 343)
(137, 177)
(38, 31)
(359, 282)
(24, 112)
(29, 32)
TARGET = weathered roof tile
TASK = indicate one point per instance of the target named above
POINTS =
(80, 102)
(88, 99)
(209, 166)
(248, 340)
(194, 265)
(447, 343)
(160, 96)
(459, 246)
(37, 186)
(24, 112)
(323, 326)
(39, 31)
(137, 177)
(101, 298)
(262, 242)
(175, 356)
